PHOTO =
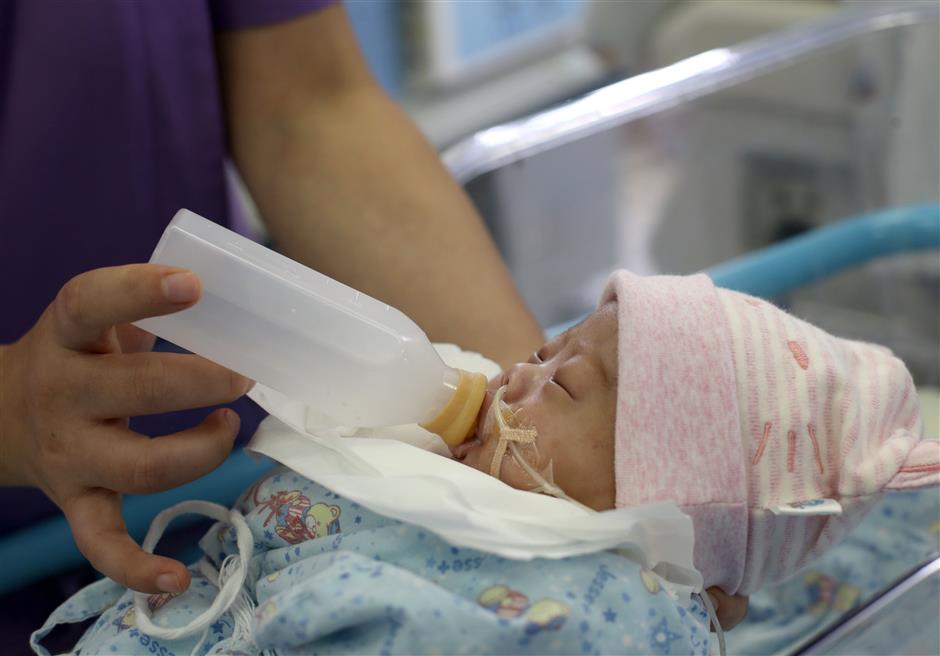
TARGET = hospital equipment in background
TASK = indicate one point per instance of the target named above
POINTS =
(910, 605)
(725, 152)
(458, 42)
(461, 66)
(474, 64)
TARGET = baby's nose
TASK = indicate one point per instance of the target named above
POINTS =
(521, 381)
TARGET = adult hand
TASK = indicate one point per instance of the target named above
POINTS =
(730, 609)
(67, 389)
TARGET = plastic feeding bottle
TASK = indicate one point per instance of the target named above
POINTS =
(353, 360)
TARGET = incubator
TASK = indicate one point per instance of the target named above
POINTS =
(353, 360)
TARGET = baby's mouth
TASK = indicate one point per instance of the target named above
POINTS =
(485, 409)
(462, 449)
(465, 447)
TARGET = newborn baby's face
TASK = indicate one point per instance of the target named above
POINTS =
(568, 392)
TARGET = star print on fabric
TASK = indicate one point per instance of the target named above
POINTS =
(358, 519)
(661, 638)
(610, 616)
(268, 535)
(218, 627)
(443, 567)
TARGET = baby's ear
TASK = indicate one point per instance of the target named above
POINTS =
(921, 468)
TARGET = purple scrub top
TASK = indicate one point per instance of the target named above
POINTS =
(110, 120)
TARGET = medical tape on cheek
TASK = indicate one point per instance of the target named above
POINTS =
(511, 434)
(502, 415)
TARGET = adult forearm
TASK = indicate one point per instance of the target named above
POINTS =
(7, 477)
(11, 422)
(352, 188)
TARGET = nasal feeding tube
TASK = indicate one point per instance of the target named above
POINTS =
(513, 433)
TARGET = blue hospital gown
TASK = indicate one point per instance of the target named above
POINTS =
(330, 577)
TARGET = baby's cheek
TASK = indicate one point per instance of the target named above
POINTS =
(589, 479)
(514, 475)
(510, 472)
(472, 459)
(581, 463)
(481, 455)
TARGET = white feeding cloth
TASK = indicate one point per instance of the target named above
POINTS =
(399, 472)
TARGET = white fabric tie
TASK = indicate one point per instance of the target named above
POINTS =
(230, 579)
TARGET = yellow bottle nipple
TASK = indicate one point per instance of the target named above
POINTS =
(457, 421)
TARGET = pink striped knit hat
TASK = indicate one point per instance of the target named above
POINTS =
(737, 411)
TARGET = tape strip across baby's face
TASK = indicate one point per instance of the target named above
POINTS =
(567, 391)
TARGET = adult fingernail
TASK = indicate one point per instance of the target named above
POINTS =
(181, 287)
(231, 418)
(169, 583)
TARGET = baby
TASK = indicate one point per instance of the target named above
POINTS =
(774, 436)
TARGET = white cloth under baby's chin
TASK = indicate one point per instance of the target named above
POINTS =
(406, 473)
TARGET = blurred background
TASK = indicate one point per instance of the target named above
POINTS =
(827, 116)
(461, 65)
